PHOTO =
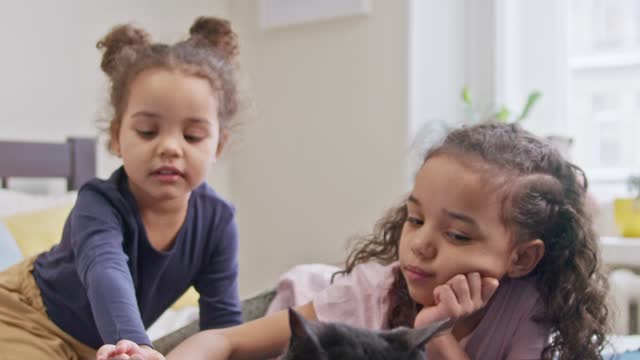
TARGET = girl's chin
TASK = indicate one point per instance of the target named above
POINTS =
(424, 298)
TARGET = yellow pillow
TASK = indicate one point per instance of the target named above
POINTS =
(39, 230)
(190, 298)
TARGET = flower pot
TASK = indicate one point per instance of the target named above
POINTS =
(627, 216)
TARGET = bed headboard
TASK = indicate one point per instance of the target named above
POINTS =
(74, 160)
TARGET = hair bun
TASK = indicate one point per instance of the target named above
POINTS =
(218, 34)
(536, 198)
(118, 39)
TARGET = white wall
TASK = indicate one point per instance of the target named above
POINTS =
(437, 66)
(326, 154)
(52, 86)
(438, 52)
(531, 55)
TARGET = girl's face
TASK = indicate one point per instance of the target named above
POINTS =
(453, 227)
(169, 134)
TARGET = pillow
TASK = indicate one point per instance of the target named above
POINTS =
(9, 251)
(14, 202)
(37, 231)
(189, 298)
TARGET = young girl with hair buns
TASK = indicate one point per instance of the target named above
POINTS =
(134, 243)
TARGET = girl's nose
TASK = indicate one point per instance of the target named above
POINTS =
(423, 245)
(169, 147)
(425, 253)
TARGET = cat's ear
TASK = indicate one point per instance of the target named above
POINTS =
(420, 336)
(303, 335)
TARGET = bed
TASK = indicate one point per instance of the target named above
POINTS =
(73, 160)
(31, 223)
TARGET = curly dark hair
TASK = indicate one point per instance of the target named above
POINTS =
(210, 53)
(543, 197)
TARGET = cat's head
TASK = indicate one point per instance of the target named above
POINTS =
(313, 340)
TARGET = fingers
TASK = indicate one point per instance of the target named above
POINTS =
(105, 352)
(443, 297)
(475, 286)
(462, 291)
(123, 350)
(489, 286)
(461, 296)
(448, 301)
(127, 347)
(465, 294)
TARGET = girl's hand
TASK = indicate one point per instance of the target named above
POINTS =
(458, 298)
(127, 350)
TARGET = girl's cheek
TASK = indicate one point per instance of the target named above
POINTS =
(486, 266)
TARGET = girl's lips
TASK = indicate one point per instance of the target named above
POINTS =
(415, 273)
(166, 178)
(167, 174)
(167, 170)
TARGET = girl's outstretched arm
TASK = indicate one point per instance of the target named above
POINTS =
(262, 338)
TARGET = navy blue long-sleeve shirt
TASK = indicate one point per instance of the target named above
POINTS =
(105, 282)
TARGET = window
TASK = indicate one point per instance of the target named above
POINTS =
(584, 56)
(604, 86)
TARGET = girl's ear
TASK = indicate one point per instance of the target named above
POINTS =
(222, 141)
(525, 257)
(115, 146)
(114, 140)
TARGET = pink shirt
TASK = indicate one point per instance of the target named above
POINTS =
(507, 331)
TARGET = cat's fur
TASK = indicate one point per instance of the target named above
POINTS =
(312, 340)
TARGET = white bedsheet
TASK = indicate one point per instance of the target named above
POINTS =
(172, 320)
(622, 343)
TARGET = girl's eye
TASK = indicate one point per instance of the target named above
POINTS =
(457, 237)
(193, 138)
(415, 221)
(146, 134)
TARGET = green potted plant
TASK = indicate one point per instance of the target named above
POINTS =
(504, 114)
(433, 131)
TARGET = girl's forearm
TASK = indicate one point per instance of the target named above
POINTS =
(209, 345)
(259, 339)
(445, 347)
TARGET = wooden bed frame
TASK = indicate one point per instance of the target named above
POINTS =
(74, 160)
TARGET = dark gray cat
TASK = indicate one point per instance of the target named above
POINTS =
(312, 340)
